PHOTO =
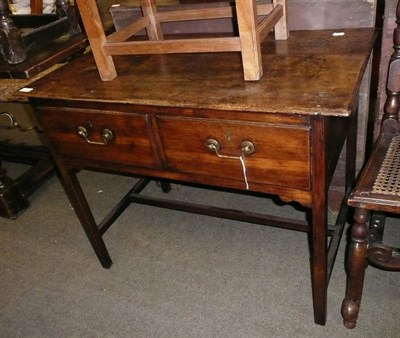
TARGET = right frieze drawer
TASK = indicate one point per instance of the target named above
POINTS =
(276, 154)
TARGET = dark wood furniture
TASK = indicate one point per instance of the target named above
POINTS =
(388, 24)
(21, 33)
(377, 192)
(45, 50)
(14, 193)
(192, 118)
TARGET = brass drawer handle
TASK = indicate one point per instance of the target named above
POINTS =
(106, 134)
(246, 148)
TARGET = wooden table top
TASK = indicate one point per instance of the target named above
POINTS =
(313, 72)
(9, 86)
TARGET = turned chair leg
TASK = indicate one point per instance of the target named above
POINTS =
(356, 264)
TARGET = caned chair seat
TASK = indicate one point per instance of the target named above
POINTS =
(387, 181)
(378, 187)
(377, 192)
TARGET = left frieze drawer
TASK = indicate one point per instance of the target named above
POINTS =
(107, 136)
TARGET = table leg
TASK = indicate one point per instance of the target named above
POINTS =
(322, 259)
(351, 152)
(319, 222)
(319, 261)
(78, 200)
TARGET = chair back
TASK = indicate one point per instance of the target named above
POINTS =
(390, 119)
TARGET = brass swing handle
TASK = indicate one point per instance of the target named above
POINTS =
(246, 148)
(106, 134)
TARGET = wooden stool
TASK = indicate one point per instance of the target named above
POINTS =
(251, 33)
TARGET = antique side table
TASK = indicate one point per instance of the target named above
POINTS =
(192, 118)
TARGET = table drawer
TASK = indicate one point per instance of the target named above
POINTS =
(111, 136)
(281, 152)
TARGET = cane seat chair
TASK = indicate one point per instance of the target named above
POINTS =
(377, 192)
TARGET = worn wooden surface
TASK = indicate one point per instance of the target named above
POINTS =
(10, 86)
(311, 73)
